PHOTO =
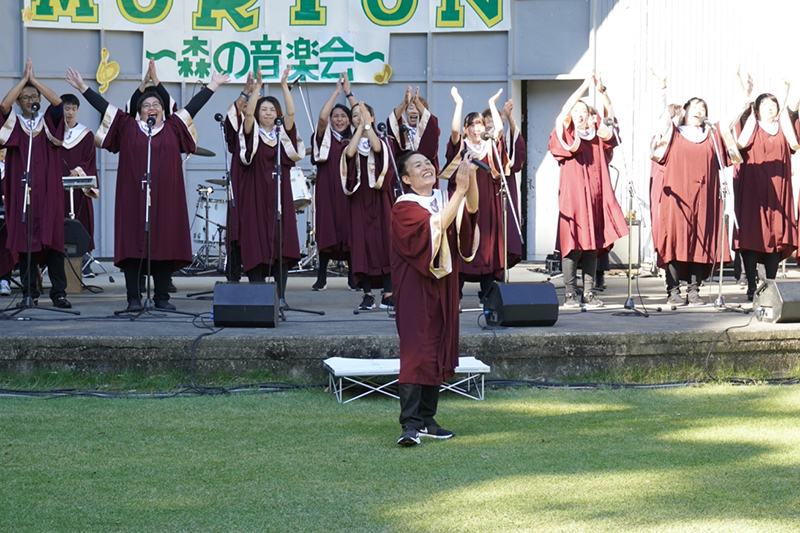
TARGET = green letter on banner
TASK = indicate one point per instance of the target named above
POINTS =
(379, 14)
(450, 13)
(210, 13)
(84, 11)
(134, 12)
(307, 13)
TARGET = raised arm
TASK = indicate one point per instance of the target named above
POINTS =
(327, 107)
(46, 91)
(401, 107)
(250, 107)
(564, 118)
(75, 79)
(348, 93)
(496, 118)
(455, 126)
(288, 113)
(601, 88)
(204, 95)
(13, 94)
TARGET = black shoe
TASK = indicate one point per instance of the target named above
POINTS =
(367, 303)
(165, 305)
(319, 286)
(172, 287)
(436, 431)
(134, 305)
(62, 303)
(410, 437)
(387, 302)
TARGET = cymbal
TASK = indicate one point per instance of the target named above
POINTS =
(217, 182)
(204, 152)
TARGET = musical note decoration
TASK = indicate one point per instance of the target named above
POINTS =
(383, 76)
(107, 71)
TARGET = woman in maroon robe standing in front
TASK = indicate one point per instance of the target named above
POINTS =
(689, 210)
(266, 130)
(431, 229)
(762, 185)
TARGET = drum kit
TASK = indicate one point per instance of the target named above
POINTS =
(212, 213)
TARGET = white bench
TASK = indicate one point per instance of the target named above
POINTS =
(346, 372)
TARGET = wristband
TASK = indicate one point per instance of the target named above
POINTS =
(349, 95)
(244, 95)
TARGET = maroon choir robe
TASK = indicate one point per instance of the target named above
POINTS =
(46, 210)
(515, 152)
(331, 206)
(169, 218)
(233, 119)
(762, 187)
(490, 257)
(689, 211)
(425, 282)
(78, 153)
(257, 200)
(8, 259)
(367, 180)
(590, 217)
(424, 138)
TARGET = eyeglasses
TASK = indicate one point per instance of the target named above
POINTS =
(154, 105)
(29, 98)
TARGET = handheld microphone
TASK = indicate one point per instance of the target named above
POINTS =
(486, 136)
(35, 107)
(477, 162)
(218, 117)
(151, 121)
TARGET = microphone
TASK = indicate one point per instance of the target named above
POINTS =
(295, 83)
(477, 162)
(705, 122)
(403, 128)
(279, 121)
(381, 127)
(35, 107)
(608, 121)
(151, 121)
(486, 136)
(218, 117)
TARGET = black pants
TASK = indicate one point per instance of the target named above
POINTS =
(162, 275)
(674, 276)
(233, 266)
(324, 259)
(418, 404)
(386, 280)
(485, 281)
(750, 260)
(569, 268)
(29, 274)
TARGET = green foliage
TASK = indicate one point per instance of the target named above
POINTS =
(702, 458)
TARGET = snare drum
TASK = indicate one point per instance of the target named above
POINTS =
(300, 193)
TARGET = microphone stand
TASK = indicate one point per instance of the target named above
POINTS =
(505, 194)
(629, 303)
(231, 205)
(280, 282)
(27, 302)
(719, 303)
(149, 306)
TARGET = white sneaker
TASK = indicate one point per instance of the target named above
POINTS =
(5, 288)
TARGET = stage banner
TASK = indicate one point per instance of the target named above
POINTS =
(319, 39)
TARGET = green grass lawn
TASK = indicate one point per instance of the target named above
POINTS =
(713, 458)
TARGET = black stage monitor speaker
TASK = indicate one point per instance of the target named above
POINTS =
(521, 304)
(245, 305)
(76, 239)
(778, 301)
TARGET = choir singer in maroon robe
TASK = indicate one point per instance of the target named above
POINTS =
(119, 132)
(762, 184)
(429, 232)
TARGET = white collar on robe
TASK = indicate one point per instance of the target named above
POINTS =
(143, 126)
(35, 120)
(74, 132)
(695, 134)
(771, 128)
(433, 203)
(364, 146)
(271, 134)
(587, 135)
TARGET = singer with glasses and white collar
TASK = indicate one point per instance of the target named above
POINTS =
(590, 219)
(34, 136)
(690, 203)
(168, 222)
(766, 136)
